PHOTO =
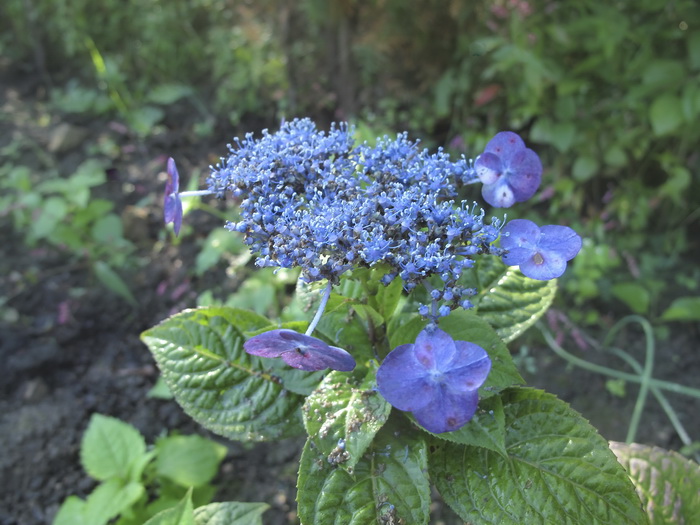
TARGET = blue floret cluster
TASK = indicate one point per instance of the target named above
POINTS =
(324, 203)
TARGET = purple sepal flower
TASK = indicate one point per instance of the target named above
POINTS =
(436, 379)
(541, 253)
(299, 351)
(510, 172)
(172, 206)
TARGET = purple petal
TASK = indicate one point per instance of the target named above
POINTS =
(499, 195)
(561, 239)
(525, 174)
(173, 184)
(434, 349)
(403, 381)
(505, 145)
(488, 168)
(544, 265)
(469, 369)
(299, 351)
(520, 233)
(447, 411)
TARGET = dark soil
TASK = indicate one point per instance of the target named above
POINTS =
(70, 348)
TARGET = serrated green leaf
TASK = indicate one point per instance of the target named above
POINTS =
(487, 429)
(343, 328)
(507, 300)
(110, 447)
(667, 483)
(343, 415)
(388, 484)
(239, 396)
(466, 326)
(180, 514)
(190, 461)
(230, 513)
(558, 470)
(110, 499)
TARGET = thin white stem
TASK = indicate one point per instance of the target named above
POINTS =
(195, 193)
(321, 308)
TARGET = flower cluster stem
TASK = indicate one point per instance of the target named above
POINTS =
(321, 308)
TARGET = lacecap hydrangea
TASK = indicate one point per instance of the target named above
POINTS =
(322, 202)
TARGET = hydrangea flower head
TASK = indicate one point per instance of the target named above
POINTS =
(299, 351)
(509, 171)
(172, 205)
(541, 252)
(436, 379)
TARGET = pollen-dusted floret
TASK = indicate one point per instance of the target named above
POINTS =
(541, 251)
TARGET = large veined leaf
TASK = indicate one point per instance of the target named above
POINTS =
(388, 485)
(558, 470)
(343, 415)
(239, 396)
(667, 483)
(508, 300)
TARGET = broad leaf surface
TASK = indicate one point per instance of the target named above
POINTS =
(109, 499)
(230, 513)
(239, 396)
(180, 514)
(190, 461)
(508, 300)
(343, 415)
(388, 485)
(558, 470)
(667, 483)
(110, 448)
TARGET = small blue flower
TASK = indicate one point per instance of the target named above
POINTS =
(436, 379)
(541, 253)
(172, 206)
(299, 351)
(510, 172)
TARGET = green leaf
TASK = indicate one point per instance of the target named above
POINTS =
(110, 448)
(53, 211)
(558, 470)
(343, 415)
(180, 514)
(388, 484)
(168, 93)
(508, 300)
(344, 328)
(634, 295)
(666, 114)
(111, 280)
(584, 168)
(71, 512)
(667, 483)
(188, 460)
(111, 499)
(487, 429)
(230, 513)
(239, 396)
(466, 326)
(107, 229)
(683, 309)
(387, 297)
(401, 333)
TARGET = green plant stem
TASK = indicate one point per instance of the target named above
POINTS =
(645, 375)
(610, 372)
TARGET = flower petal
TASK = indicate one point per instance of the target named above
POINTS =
(505, 145)
(525, 174)
(403, 381)
(499, 194)
(434, 349)
(544, 265)
(470, 369)
(447, 411)
(561, 239)
(488, 168)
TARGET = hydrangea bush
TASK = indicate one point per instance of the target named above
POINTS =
(400, 377)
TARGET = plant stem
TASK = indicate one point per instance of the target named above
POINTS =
(321, 308)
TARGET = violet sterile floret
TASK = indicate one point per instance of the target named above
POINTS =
(510, 172)
(172, 205)
(436, 379)
(299, 351)
(541, 252)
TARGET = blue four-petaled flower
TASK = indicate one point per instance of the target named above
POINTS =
(172, 206)
(541, 252)
(436, 379)
(509, 171)
(299, 351)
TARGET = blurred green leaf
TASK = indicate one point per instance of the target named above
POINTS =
(190, 461)
(683, 309)
(665, 114)
(634, 295)
(111, 279)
